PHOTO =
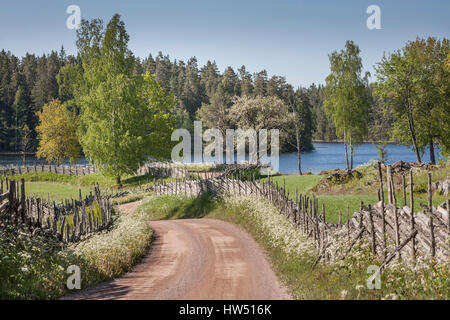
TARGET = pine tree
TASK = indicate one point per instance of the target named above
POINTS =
(245, 80)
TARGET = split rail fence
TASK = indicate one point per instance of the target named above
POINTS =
(67, 224)
(391, 230)
(63, 169)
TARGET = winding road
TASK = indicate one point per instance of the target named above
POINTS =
(195, 259)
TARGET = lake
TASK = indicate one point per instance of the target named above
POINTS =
(330, 155)
(326, 156)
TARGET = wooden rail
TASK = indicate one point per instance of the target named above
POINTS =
(67, 224)
(63, 169)
(384, 225)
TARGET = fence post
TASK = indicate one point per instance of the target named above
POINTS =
(388, 181)
(383, 219)
(433, 240)
(430, 199)
(372, 231)
(404, 189)
(348, 221)
(22, 199)
(11, 198)
(448, 227)
(397, 230)
(411, 203)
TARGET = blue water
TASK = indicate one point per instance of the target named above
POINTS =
(10, 160)
(326, 156)
(329, 155)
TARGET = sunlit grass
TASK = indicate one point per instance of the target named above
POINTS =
(52, 191)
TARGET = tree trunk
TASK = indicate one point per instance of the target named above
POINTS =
(351, 154)
(412, 132)
(416, 150)
(118, 182)
(346, 152)
(432, 156)
(299, 160)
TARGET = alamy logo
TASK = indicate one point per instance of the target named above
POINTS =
(257, 152)
(374, 281)
(74, 280)
(74, 20)
(374, 20)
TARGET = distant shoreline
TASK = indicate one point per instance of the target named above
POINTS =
(16, 154)
(342, 141)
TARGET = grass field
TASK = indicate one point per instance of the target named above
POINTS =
(351, 194)
(302, 183)
(55, 191)
(48, 185)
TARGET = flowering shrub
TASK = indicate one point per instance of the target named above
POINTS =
(31, 267)
(35, 267)
(110, 253)
(340, 275)
(279, 230)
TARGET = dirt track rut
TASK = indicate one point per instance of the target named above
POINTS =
(195, 259)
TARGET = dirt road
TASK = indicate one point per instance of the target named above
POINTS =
(196, 259)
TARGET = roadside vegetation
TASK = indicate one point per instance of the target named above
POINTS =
(292, 255)
(34, 267)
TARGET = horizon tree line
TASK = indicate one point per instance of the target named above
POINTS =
(410, 95)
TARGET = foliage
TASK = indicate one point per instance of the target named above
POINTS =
(57, 133)
(216, 113)
(347, 97)
(111, 253)
(124, 117)
(261, 113)
(35, 267)
(31, 267)
(382, 152)
(413, 83)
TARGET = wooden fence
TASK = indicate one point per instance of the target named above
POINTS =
(155, 169)
(386, 226)
(63, 169)
(69, 225)
(167, 169)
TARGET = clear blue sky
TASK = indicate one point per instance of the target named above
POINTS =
(285, 37)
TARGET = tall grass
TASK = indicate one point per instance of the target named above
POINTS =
(35, 267)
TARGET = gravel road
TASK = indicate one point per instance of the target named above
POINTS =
(195, 259)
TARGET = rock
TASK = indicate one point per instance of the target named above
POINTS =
(343, 177)
(444, 187)
(400, 166)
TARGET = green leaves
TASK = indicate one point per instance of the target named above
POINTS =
(414, 85)
(124, 117)
(347, 97)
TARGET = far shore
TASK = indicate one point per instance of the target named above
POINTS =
(342, 141)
